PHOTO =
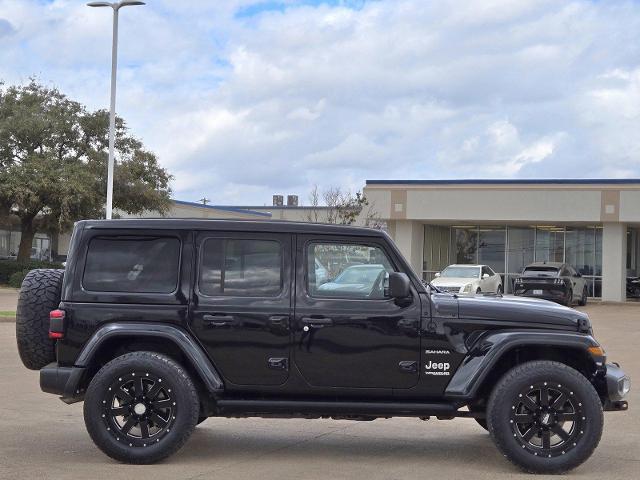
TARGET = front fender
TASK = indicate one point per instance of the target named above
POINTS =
(488, 350)
(192, 351)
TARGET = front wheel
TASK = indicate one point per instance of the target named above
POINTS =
(545, 417)
(141, 407)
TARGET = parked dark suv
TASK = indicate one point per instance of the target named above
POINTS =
(159, 324)
(558, 282)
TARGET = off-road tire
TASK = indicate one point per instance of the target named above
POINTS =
(589, 417)
(183, 416)
(39, 294)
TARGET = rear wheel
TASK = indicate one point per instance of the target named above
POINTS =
(569, 300)
(545, 417)
(583, 297)
(141, 407)
(499, 291)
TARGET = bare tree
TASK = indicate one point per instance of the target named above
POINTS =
(338, 206)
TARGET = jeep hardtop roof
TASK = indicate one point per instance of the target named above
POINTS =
(272, 226)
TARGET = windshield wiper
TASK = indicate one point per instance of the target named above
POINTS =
(432, 286)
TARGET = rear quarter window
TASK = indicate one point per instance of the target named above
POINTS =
(126, 264)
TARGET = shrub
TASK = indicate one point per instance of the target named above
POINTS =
(9, 267)
(15, 280)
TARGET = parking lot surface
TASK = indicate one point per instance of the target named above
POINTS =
(43, 438)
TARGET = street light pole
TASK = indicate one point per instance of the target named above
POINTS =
(112, 112)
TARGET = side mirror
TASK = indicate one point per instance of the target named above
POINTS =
(399, 285)
(437, 274)
(485, 275)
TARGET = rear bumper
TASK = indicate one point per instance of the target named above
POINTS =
(554, 293)
(618, 385)
(62, 381)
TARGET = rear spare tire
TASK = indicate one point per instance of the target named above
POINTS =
(39, 294)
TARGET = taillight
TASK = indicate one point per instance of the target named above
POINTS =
(56, 324)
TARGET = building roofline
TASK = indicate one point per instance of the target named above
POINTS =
(513, 181)
(245, 210)
(277, 207)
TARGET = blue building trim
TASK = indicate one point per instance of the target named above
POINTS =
(518, 181)
(223, 208)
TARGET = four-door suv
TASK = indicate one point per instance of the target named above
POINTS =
(558, 282)
(159, 324)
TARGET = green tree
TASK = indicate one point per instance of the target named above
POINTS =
(53, 163)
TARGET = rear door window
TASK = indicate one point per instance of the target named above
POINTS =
(140, 264)
(239, 267)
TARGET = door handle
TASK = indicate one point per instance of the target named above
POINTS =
(218, 320)
(408, 366)
(317, 322)
(408, 324)
(279, 321)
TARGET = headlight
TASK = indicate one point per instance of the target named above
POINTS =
(467, 288)
(624, 385)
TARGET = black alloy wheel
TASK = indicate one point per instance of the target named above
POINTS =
(583, 298)
(547, 419)
(141, 407)
(569, 298)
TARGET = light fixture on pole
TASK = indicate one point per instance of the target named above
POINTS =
(112, 113)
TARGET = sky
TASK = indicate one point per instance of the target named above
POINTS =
(242, 99)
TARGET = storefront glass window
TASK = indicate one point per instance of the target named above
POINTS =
(464, 245)
(509, 249)
(549, 244)
(491, 247)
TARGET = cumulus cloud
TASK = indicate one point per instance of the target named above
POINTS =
(242, 99)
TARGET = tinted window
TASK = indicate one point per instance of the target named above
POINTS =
(132, 264)
(347, 271)
(245, 268)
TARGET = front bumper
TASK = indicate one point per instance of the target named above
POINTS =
(62, 381)
(617, 385)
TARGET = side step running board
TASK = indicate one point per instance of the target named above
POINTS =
(294, 407)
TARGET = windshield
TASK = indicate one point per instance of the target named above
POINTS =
(461, 272)
(364, 275)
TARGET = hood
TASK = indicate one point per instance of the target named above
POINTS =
(522, 311)
(452, 281)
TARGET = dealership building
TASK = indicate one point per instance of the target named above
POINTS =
(593, 225)
(506, 224)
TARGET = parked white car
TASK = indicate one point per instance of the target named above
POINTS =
(468, 279)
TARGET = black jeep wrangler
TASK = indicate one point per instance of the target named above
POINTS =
(159, 324)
